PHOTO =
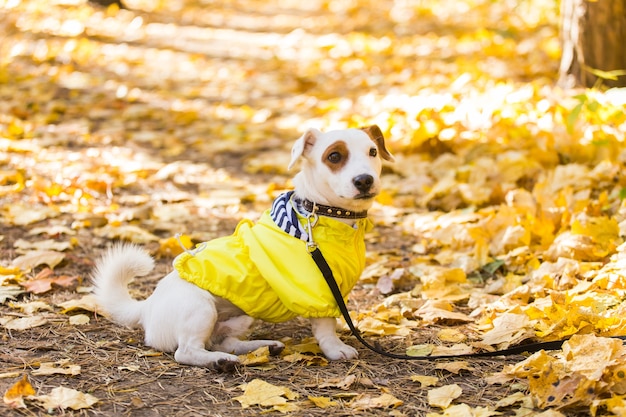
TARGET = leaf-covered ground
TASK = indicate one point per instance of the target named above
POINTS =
(502, 220)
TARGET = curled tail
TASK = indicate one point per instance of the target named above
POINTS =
(117, 267)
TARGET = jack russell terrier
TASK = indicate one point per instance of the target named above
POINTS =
(264, 270)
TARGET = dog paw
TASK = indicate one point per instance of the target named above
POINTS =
(225, 365)
(276, 348)
(341, 352)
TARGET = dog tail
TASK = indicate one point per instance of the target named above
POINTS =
(117, 267)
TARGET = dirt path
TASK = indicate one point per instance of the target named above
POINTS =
(141, 123)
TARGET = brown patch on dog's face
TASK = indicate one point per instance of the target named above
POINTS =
(336, 156)
(376, 135)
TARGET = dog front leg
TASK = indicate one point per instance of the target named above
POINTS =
(331, 345)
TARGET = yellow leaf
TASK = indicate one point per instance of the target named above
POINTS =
(508, 329)
(79, 319)
(87, 303)
(171, 247)
(61, 397)
(365, 402)
(420, 350)
(424, 380)
(62, 367)
(451, 335)
(257, 357)
(442, 397)
(454, 367)
(259, 392)
(323, 402)
(35, 258)
(341, 383)
(14, 396)
(464, 410)
(310, 360)
(32, 307)
(25, 323)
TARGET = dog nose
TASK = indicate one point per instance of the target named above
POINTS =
(363, 182)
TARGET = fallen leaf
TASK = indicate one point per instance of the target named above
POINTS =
(259, 392)
(457, 349)
(25, 323)
(366, 402)
(420, 350)
(256, 357)
(464, 410)
(14, 396)
(508, 329)
(130, 233)
(42, 245)
(63, 398)
(171, 247)
(341, 383)
(10, 292)
(87, 303)
(23, 215)
(40, 285)
(33, 259)
(454, 367)
(442, 397)
(310, 360)
(323, 402)
(62, 367)
(32, 307)
(450, 335)
(509, 400)
(79, 319)
(424, 380)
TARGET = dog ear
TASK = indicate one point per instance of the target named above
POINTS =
(375, 133)
(303, 145)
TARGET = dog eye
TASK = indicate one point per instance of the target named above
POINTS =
(334, 157)
(373, 152)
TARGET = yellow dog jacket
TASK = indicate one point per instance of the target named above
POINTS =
(266, 269)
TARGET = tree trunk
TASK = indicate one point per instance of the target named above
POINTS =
(593, 36)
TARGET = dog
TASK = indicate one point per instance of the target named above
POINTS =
(204, 307)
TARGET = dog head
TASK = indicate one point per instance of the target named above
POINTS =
(341, 167)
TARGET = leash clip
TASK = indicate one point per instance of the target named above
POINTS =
(311, 221)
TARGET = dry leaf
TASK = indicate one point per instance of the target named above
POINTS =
(257, 357)
(464, 410)
(424, 380)
(87, 303)
(420, 350)
(79, 319)
(63, 398)
(41, 283)
(366, 402)
(128, 233)
(451, 335)
(341, 383)
(62, 367)
(42, 245)
(9, 292)
(508, 329)
(454, 367)
(259, 392)
(310, 360)
(25, 323)
(442, 397)
(32, 307)
(14, 396)
(323, 402)
(33, 259)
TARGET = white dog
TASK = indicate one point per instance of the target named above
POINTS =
(264, 270)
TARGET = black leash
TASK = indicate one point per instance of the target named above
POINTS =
(330, 280)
